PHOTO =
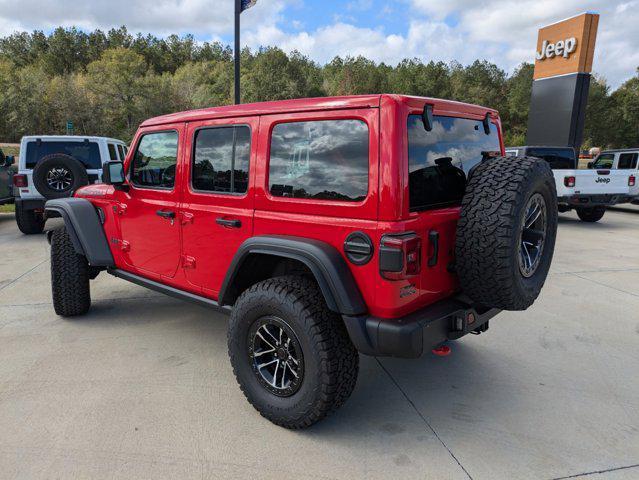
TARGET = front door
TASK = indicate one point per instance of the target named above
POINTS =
(217, 208)
(148, 213)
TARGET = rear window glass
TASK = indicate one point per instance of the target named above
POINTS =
(628, 161)
(87, 153)
(439, 160)
(121, 152)
(322, 160)
(605, 160)
(558, 158)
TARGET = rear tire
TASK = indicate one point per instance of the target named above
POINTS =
(70, 274)
(325, 358)
(591, 215)
(506, 233)
(29, 222)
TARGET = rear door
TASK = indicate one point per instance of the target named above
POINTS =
(217, 209)
(148, 220)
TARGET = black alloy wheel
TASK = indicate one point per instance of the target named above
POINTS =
(533, 235)
(276, 356)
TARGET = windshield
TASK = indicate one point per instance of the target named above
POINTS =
(88, 153)
(558, 158)
(605, 161)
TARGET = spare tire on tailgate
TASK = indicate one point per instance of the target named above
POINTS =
(59, 175)
(506, 233)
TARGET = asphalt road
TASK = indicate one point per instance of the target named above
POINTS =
(142, 388)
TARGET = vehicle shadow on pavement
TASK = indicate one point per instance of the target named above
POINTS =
(606, 223)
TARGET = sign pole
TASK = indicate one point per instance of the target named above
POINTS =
(238, 12)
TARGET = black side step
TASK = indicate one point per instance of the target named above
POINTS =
(170, 291)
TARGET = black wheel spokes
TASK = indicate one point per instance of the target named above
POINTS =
(533, 235)
(276, 358)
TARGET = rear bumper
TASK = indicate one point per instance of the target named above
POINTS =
(595, 200)
(30, 203)
(413, 335)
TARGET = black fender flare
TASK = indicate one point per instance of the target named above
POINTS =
(84, 227)
(323, 260)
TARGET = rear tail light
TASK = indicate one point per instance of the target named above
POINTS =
(400, 256)
(570, 181)
(632, 181)
(20, 181)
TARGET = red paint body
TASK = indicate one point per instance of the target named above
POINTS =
(193, 253)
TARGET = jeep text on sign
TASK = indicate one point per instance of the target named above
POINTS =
(566, 47)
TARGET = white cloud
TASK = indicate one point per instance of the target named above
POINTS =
(501, 31)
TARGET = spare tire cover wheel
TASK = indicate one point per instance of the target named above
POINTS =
(506, 232)
(59, 175)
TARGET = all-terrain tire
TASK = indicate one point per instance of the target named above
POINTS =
(591, 215)
(490, 230)
(331, 362)
(77, 175)
(70, 274)
(29, 221)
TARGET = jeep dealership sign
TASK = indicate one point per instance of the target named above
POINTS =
(563, 62)
(566, 47)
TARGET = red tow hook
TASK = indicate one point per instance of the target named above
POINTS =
(442, 351)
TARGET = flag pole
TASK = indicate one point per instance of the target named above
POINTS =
(238, 12)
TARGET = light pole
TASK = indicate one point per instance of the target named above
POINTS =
(240, 6)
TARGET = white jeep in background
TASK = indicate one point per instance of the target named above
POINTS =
(54, 167)
(588, 192)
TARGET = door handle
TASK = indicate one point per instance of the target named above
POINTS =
(166, 214)
(433, 237)
(229, 223)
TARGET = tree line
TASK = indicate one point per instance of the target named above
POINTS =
(106, 83)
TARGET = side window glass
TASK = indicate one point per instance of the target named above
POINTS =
(221, 159)
(321, 160)
(112, 154)
(121, 152)
(628, 161)
(155, 160)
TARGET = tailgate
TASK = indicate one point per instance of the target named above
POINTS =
(601, 182)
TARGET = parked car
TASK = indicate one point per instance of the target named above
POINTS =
(588, 192)
(626, 160)
(56, 166)
(381, 224)
(6, 174)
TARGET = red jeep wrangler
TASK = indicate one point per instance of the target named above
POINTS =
(380, 224)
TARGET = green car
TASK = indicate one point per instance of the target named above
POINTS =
(6, 174)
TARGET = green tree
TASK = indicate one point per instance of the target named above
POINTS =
(117, 83)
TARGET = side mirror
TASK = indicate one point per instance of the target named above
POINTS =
(591, 164)
(9, 160)
(427, 117)
(113, 173)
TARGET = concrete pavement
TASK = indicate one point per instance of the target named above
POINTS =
(142, 388)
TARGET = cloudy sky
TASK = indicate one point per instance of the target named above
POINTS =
(502, 31)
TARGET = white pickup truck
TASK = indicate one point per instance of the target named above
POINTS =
(588, 192)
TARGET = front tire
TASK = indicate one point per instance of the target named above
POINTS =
(29, 222)
(285, 319)
(591, 215)
(70, 275)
